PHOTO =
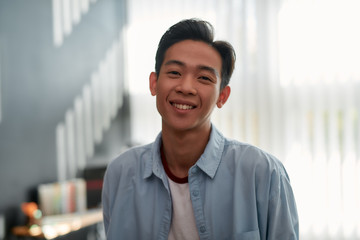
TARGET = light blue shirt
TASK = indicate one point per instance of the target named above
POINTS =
(237, 191)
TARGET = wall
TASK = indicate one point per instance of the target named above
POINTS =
(38, 84)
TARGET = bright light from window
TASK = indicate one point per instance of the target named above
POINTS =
(319, 42)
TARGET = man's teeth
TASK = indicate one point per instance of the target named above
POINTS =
(182, 106)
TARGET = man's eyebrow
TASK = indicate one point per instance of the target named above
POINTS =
(201, 67)
(174, 62)
(210, 69)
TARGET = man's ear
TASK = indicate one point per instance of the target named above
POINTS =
(223, 97)
(152, 83)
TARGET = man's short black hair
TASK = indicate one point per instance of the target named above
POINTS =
(197, 30)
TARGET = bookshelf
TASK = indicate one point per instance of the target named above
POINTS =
(52, 227)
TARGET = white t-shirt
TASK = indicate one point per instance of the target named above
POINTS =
(183, 225)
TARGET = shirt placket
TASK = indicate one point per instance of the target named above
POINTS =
(195, 194)
(166, 219)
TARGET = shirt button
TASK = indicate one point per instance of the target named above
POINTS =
(202, 229)
(195, 193)
(194, 170)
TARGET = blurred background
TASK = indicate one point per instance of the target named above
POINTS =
(74, 94)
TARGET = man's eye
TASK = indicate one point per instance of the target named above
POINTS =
(205, 78)
(174, 73)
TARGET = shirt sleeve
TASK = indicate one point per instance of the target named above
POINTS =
(283, 220)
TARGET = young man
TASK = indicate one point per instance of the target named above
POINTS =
(192, 182)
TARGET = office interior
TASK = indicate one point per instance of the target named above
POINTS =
(74, 95)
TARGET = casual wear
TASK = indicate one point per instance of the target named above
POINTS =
(183, 224)
(237, 192)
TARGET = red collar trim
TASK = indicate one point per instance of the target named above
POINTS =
(168, 172)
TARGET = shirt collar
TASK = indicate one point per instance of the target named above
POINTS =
(208, 162)
(210, 159)
(154, 164)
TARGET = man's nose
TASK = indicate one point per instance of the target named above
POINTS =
(187, 85)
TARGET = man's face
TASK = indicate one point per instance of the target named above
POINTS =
(188, 86)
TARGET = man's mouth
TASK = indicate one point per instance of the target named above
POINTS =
(182, 106)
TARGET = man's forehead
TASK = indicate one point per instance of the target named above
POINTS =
(198, 66)
(194, 53)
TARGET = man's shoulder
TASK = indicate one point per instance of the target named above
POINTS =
(243, 148)
(132, 155)
(250, 155)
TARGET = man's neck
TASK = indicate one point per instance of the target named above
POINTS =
(183, 149)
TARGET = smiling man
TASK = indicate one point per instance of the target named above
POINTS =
(192, 182)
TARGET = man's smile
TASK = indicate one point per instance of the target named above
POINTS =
(182, 106)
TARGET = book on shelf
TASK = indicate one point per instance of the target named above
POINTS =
(62, 197)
